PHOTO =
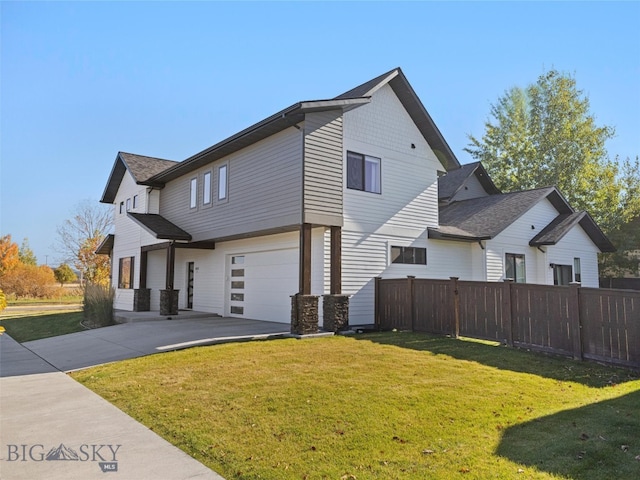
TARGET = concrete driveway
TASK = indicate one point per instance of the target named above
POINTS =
(129, 340)
(53, 427)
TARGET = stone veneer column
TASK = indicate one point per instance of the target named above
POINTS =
(335, 314)
(142, 300)
(304, 314)
(169, 302)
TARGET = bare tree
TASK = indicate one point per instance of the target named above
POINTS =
(89, 224)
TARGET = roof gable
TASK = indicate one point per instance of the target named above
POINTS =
(294, 114)
(454, 181)
(563, 223)
(140, 167)
(485, 217)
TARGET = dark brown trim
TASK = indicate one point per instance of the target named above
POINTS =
(171, 265)
(336, 261)
(155, 246)
(143, 269)
(305, 259)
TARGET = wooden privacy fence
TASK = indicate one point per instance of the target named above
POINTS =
(586, 323)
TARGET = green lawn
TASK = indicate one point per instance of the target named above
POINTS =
(25, 325)
(384, 406)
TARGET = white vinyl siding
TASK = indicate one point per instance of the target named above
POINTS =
(400, 214)
(129, 236)
(576, 244)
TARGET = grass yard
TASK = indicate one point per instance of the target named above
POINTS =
(383, 406)
(27, 325)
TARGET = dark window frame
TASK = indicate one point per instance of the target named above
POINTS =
(408, 255)
(357, 172)
(510, 259)
(125, 278)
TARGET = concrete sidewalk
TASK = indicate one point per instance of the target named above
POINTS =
(52, 427)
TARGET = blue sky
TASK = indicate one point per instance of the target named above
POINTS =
(81, 81)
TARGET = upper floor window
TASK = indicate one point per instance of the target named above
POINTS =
(222, 182)
(128, 204)
(121, 207)
(135, 201)
(193, 192)
(514, 268)
(206, 188)
(577, 274)
(409, 255)
(363, 172)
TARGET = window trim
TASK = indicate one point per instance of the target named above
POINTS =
(515, 256)
(193, 193)
(577, 270)
(207, 190)
(405, 253)
(365, 159)
(224, 184)
(128, 204)
(128, 284)
(135, 202)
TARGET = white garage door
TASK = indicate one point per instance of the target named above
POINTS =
(261, 284)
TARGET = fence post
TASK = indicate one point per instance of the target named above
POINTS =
(507, 311)
(575, 321)
(513, 306)
(376, 303)
(456, 306)
(411, 278)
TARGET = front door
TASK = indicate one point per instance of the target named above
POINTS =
(237, 286)
(190, 278)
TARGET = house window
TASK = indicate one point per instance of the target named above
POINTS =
(562, 274)
(135, 201)
(222, 182)
(121, 207)
(515, 267)
(193, 193)
(577, 274)
(363, 172)
(206, 191)
(128, 204)
(125, 272)
(409, 255)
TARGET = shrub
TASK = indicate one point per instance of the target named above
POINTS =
(28, 281)
(98, 306)
(3, 301)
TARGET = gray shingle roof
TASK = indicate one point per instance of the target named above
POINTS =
(159, 226)
(454, 180)
(485, 217)
(142, 167)
(563, 223)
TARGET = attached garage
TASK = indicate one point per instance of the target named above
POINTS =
(259, 284)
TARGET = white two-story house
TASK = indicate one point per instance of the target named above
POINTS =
(319, 199)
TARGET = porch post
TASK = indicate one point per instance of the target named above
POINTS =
(336, 261)
(169, 296)
(305, 259)
(335, 306)
(304, 306)
(142, 295)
